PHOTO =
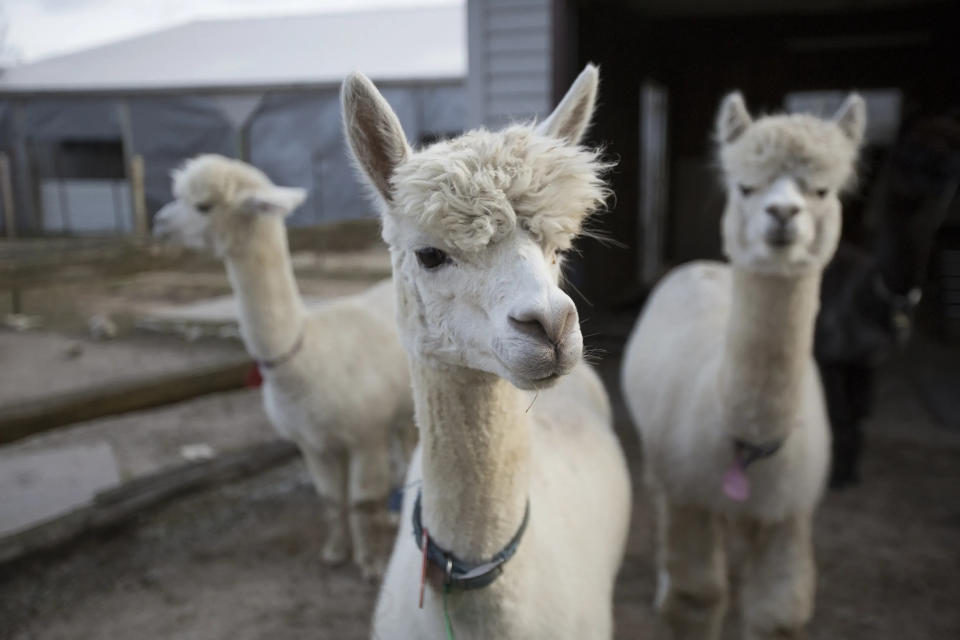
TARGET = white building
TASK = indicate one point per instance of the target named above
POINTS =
(265, 90)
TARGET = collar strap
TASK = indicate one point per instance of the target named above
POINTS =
(466, 575)
(748, 453)
(273, 363)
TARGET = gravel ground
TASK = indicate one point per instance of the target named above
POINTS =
(241, 561)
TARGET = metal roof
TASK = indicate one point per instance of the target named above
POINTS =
(421, 43)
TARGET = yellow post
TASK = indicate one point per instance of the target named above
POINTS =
(138, 195)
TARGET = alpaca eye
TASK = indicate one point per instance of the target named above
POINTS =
(745, 190)
(431, 257)
(204, 207)
(821, 193)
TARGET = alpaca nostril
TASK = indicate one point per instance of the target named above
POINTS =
(532, 328)
(570, 321)
(782, 212)
(544, 326)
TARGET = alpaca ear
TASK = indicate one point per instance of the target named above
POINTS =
(733, 118)
(273, 200)
(373, 132)
(851, 117)
(570, 120)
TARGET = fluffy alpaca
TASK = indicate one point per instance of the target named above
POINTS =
(721, 384)
(509, 415)
(335, 380)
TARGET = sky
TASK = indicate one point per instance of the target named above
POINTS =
(38, 29)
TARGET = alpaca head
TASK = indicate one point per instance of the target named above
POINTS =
(477, 227)
(217, 201)
(783, 175)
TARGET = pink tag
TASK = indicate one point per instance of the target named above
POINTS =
(253, 378)
(736, 484)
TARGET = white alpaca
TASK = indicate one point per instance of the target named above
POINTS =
(335, 380)
(476, 227)
(721, 383)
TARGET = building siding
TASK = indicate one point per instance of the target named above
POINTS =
(510, 54)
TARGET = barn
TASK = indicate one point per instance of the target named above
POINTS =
(665, 66)
(81, 133)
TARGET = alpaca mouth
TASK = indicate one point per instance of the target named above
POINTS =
(548, 379)
(536, 384)
(779, 239)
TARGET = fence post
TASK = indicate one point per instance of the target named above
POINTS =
(6, 192)
(138, 195)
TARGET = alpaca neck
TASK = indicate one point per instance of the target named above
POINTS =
(271, 311)
(476, 456)
(767, 352)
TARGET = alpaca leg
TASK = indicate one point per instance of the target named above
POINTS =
(403, 440)
(328, 469)
(778, 580)
(371, 524)
(692, 583)
(862, 390)
(841, 408)
(846, 452)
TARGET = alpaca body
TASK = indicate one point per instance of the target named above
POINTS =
(335, 380)
(720, 380)
(508, 413)
(347, 406)
(681, 412)
(582, 482)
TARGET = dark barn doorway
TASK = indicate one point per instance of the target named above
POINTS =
(694, 55)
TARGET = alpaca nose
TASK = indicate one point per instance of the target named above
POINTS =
(162, 220)
(782, 212)
(544, 322)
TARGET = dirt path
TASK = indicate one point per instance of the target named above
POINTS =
(241, 561)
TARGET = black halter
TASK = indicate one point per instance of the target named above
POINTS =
(466, 575)
(273, 363)
(748, 453)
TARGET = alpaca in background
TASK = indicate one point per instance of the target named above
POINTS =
(335, 380)
(720, 380)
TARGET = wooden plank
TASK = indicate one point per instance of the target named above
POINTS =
(533, 43)
(22, 420)
(511, 18)
(116, 506)
(519, 83)
(141, 228)
(477, 53)
(6, 190)
(501, 62)
(520, 106)
(499, 5)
